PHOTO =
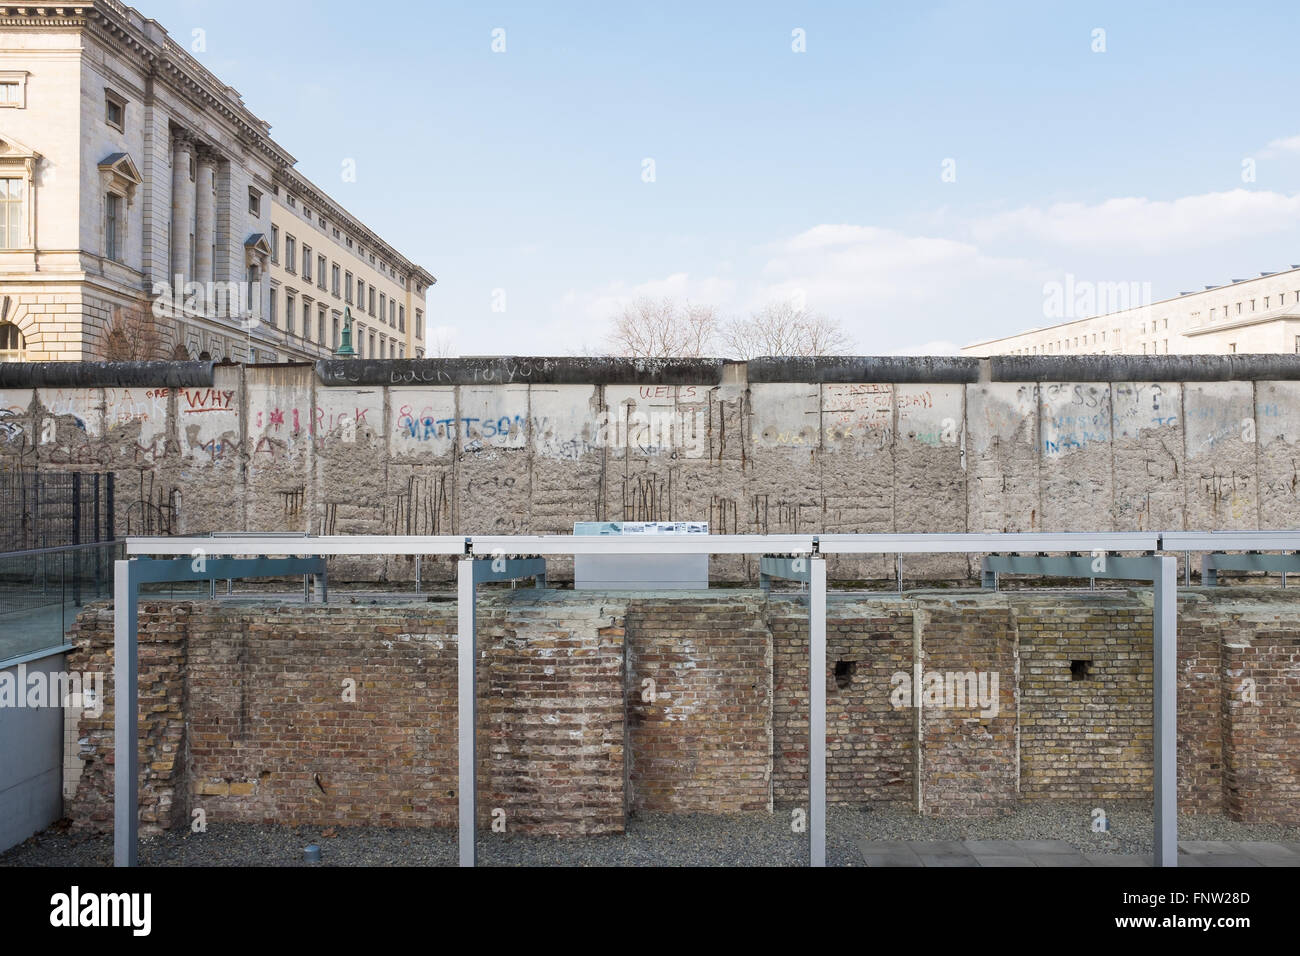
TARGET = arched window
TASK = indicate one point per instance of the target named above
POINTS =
(12, 343)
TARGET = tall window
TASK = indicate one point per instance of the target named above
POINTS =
(12, 343)
(320, 271)
(290, 252)
(347, 288)
(11, 214)
(288, 312)
(361, 293)
(275, 243)
(306, 319)
(113, 226)
(383, 304)
(370, 301)
(392, 312)
(320, 325)
(401, 318)
(419, 324)
(334, 280)
(335, 337)
(271, 317)
(306, 263)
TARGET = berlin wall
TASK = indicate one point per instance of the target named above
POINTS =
(532, 445)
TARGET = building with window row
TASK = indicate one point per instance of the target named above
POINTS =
(1260, 314)
(146, 212)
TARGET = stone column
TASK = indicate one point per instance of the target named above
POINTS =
(182, 220)
(205, 225)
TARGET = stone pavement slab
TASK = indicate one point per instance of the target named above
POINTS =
(1053, 853)
(1270, 854)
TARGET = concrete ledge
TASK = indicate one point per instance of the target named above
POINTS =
(526, 370)
(105, 374)
(576, 370)
(1144, 368)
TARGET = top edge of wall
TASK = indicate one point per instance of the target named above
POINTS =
(1143, 368)
(936, 369)
(106, 374)
(522, 370)
(566, 370)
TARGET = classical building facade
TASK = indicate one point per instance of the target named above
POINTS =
(144, 208)
(1257, 315)
(324, 261)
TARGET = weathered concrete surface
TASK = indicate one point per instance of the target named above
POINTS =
(513, 446)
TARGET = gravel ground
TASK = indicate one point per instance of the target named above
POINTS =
(651, 840)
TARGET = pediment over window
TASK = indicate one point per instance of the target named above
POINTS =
(17, 155)
(257, 245)
(11, 148)
(120, 175)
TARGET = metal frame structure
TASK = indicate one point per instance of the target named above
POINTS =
(128, 576)
(794, 557)
(1162, 572)
(812, 572)
(1213, 562)
(470, 572)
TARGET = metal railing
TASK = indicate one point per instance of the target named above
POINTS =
(43, 589)
(43, 509)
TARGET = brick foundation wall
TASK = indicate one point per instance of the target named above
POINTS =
(248, 717)
(551, 727)
(703, 741)
(968, 759)
(1085, 697)
(243, 711)
(1261, 705)
(870, 745)
(334, 715)
(161, 695)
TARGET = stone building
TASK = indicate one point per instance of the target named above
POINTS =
(1252, 315)
(139, 194)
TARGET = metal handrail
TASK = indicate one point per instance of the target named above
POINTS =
(113, 542)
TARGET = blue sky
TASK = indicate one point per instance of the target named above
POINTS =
(816, 175)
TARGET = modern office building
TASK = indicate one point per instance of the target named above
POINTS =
(1259, 314)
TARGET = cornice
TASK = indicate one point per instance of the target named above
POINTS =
(68, 16)
(155, 54)
(303, 187)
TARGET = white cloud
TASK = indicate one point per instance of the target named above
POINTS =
(1289, 144)
(881, 284)
(602, 304)
(861, 273)
(1137, 224)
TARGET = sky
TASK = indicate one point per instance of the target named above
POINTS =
(922, 173)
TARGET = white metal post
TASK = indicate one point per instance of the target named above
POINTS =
(466, 708)
(1165, 710)
(817, 712)
(126, 759)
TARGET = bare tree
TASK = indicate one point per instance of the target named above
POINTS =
(134, 335)
(783, 329)
(664, 329)
(441, 343)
